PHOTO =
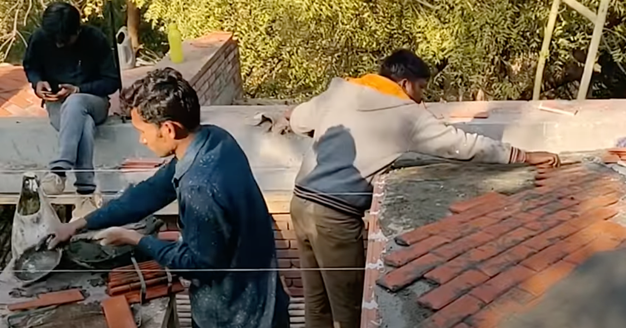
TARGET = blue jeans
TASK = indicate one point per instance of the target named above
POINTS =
(75, 119)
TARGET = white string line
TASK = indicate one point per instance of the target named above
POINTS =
(192, 270)
(124, 170)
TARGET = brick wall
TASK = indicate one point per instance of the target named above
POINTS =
(211, 65)
(218, 82)
(287, 251)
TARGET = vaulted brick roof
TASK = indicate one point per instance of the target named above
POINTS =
(497, 255)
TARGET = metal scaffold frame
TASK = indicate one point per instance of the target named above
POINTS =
(598, 19)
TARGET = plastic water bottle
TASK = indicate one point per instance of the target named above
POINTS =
(176, 44)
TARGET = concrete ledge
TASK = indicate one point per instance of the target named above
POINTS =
(29, 143)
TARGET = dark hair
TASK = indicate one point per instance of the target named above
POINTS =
(61, 21)
(163, 95)
(404, 64)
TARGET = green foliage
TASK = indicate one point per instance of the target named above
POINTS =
(19, 18)
(292, 48)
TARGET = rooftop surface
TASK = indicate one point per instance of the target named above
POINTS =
(16, 95)
(498, 246)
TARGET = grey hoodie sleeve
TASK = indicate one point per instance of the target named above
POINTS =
(433, 137)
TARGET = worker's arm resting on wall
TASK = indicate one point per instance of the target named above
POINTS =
(137, 202)
(433, 137)
(206, 233)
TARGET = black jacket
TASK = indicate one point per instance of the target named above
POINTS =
(88, 64)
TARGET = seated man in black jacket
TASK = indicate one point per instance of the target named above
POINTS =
(72, 69)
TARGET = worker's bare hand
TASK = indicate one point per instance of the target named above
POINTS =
(44, 91)
(543, 158)
(66, 90)
(117, 236)
(64, 232)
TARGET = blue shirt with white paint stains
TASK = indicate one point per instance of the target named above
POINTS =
(225, 225)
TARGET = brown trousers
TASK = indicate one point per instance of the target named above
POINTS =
(330, 239)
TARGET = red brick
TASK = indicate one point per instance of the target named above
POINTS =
(49, 299)
(507, 241)
(447, 293)
(462, 245)
(454, 313)
(505, 260)
(414, 236)
(501, 283)
(446, 272)
(285, 234)
(406, 275)
(542, 281)
(556, 252)
(296, 292)
(602, 201)
(281, 225)
(282, 244)
(589, 217)
(468, 228)
(596, 246)
(287, 254)
(503, 227)
(284, 263)
(118, 313)
(295, 263)
(505, 212)
(510, 302)
(401, 257)
(461, 206)
(462, 325)
(550, 237)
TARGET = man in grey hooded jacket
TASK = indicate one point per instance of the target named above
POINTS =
(360, 127)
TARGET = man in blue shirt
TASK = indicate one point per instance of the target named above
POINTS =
(224, 220)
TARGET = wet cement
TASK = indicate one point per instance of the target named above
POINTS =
(420, 191)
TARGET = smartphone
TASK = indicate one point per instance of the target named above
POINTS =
(55, 89)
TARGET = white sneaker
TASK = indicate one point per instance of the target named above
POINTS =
(53, 184)
(85, 205)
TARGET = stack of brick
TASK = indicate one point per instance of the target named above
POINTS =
(125, 281)
(498, 254)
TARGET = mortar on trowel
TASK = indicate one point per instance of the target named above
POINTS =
(34, 222)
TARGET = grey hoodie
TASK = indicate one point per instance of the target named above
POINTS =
(359, 131)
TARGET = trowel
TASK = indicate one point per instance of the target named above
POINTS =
(34, 222)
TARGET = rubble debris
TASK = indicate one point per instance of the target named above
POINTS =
(49, 299)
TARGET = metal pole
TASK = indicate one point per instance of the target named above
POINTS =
(545, 48)
(114, 38)
(593, 49)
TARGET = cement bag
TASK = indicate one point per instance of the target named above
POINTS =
(34, 218)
